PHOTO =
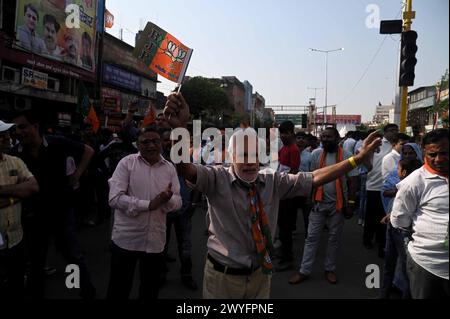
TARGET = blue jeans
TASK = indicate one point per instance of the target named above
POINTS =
(181, 220)
(395, 263)
(320, 216)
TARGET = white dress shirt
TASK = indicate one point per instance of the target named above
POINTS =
(375, 177)
(389, 163)
(422, 202)
(133, 185)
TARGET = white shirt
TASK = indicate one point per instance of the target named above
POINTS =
(349, 145)
(134, 184)
(375, 177)
(390, 161)
(422, 202)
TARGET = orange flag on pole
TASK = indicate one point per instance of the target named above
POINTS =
(163, 53)
(150, 118)
(93, 119)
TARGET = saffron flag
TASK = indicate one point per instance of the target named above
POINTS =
(109, 19)
(150, 118)
(93, 119)
(163, 53)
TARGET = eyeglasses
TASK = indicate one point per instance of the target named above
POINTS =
(148, 142)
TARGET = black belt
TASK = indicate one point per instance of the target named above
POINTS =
(231, 271)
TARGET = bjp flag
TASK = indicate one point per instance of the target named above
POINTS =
(163, 53)
(109, 19)
(150, 118)
(93, 119)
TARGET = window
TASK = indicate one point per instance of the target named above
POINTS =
(53, 84)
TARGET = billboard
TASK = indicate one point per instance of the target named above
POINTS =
(340, 119)
(121, 78)
(41, 28)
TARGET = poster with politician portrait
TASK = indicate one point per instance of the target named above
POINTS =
(44, 27)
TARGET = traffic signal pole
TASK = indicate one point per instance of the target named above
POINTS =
(408, 16)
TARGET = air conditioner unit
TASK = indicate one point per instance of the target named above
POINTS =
(22, 103)
(53, 84)
(10, 74)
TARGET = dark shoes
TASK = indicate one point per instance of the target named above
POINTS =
(189, 282)
(331, 277)
(298, 278)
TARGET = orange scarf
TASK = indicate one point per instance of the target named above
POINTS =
(432, 170)
(261, 231)
(318, 196)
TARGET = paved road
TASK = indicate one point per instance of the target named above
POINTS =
(352, 262)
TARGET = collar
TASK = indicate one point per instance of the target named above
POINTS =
(429, 174)
(160, 162)
(395, 152)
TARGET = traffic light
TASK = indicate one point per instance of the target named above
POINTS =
(304, 120)
(408, 58)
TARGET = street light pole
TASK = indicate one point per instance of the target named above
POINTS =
(326, 77)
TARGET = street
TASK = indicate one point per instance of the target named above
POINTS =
(352, 262)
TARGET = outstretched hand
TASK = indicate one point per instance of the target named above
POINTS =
(370, 145)
(176, 110)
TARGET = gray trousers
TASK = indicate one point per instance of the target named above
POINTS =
(320, 216)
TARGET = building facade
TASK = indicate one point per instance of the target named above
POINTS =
(382, 114)
(125, 80)
(420, 101)
(44, 71)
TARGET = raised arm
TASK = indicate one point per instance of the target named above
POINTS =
(177, 114)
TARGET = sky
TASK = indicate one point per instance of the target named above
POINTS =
(266, 42)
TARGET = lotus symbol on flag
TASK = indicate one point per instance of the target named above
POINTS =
(175, 53)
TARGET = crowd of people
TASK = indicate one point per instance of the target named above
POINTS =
(397, 189)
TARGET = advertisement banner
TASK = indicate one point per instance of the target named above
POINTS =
(121, 78)
(43, 27)
(34, 78)
(111, 100)
(340, 119)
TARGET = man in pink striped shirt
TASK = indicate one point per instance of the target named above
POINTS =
(143, 189)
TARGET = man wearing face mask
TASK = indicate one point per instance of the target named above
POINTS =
(243, 208)
(333, 203)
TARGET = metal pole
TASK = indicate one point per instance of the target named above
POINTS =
(408, 15)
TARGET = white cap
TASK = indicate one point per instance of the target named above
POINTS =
(5, 126)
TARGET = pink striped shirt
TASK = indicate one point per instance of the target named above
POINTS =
(133, 185)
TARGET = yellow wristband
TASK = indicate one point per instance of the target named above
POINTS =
(11, 201)
(353, 162)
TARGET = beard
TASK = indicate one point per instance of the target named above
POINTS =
(329, 147)
(247, 177)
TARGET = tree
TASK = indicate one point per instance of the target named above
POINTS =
(441, 107)
(207, 100)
